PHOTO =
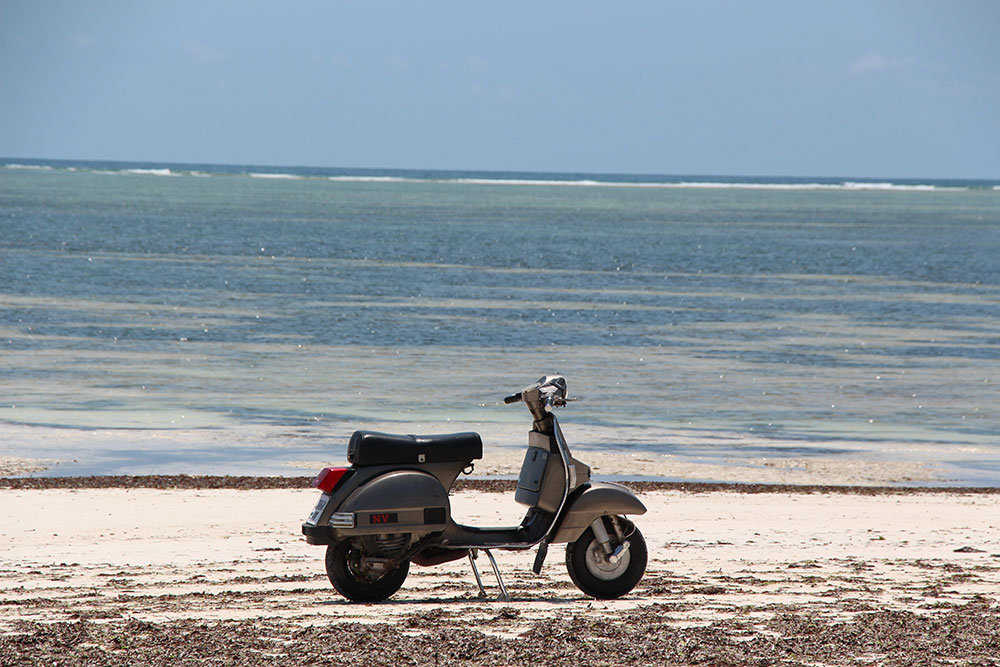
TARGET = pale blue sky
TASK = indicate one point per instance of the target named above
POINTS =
(798, 88)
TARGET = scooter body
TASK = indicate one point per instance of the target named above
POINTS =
(391, 507)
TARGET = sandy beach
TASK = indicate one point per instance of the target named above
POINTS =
(222, 576)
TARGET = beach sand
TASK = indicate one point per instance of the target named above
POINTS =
(223, 576)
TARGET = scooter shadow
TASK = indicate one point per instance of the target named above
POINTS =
(517, 599)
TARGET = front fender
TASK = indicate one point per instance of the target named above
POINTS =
(596, 500)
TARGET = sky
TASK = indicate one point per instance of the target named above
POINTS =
(872, 88)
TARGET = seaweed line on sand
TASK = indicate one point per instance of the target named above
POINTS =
(473, 484)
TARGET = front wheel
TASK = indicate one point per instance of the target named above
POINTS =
(593, 572)
(361, 577)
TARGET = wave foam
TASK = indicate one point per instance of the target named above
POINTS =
(32, 167)
(149, 172)
(546, 182)
(715, 185)
(284, 177)
(852, 185)
(377, 179)
(527, 179)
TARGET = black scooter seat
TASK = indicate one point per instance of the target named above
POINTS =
(369, 448)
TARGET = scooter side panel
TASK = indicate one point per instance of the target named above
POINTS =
(402, 501)
(598, 499)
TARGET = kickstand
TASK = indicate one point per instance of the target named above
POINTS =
(475, 571)
(504, 595)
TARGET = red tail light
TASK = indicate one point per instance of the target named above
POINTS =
(327, 478)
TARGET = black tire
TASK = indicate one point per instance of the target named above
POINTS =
(345, 565)
(593, 574)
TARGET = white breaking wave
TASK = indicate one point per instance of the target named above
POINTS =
(768, 184)
(285, 177)
(34, 167)
(748, 186)
(377, 179)
(719, 185)
(851, 185)
(528, 181)
(150, 172)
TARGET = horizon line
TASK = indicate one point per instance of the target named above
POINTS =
(8, 160)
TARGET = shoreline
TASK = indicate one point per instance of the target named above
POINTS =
(268, 452)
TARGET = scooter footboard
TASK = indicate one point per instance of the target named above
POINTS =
(597, 499)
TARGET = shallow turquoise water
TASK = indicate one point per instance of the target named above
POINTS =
(264, 314)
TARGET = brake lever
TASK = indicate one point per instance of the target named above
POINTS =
(560, 402)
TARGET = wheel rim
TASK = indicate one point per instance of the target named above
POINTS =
(599, 565)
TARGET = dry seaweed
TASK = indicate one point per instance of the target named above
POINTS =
(485, 485)
(965, 635)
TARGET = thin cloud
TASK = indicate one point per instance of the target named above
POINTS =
(83, 41)
(495, 94)
(398, 63)
(476, 64)
(201, 52)
(871, 62)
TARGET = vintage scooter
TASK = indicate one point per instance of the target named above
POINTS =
(391, 508)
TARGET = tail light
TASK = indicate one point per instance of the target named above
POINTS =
(328, 478)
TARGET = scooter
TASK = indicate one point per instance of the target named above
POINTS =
(391, 508)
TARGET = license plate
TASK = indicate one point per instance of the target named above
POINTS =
(318, 510)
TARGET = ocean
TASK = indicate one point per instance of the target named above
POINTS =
(194, 319)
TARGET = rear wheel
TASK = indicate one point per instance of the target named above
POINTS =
(592, 570)
(360, 576)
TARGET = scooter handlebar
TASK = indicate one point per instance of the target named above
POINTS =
(513, 398)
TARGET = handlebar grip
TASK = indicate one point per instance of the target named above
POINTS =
(513, 398)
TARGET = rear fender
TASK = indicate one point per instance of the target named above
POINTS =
(598, 499)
